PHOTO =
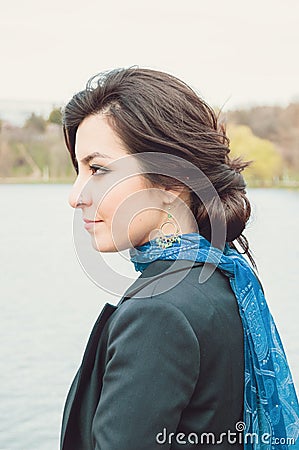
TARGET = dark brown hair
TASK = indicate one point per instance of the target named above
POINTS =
(152, 111)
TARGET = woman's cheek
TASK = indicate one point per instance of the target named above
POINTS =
(123, 203)
(110, 207)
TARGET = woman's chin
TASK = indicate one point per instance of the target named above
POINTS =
(101, 244)
(98, 245)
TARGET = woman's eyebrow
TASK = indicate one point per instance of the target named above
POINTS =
(88, 158)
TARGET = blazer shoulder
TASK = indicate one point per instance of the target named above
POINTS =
(206, 308)
(187, 291)
(209, 307)
(148, 312)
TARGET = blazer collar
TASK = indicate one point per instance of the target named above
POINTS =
(154, 271)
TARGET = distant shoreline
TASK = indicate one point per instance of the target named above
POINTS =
(19, 180)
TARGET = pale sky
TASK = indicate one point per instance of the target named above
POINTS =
(232, 52)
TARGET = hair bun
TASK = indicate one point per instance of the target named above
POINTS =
(237, 212)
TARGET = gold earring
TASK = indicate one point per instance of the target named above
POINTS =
(162, 240)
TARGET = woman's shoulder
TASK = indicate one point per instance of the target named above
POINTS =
(183, 287)
(203, 307)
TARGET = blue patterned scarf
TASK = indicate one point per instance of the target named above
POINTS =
(271, 411)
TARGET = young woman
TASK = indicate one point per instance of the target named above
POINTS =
(190, 357)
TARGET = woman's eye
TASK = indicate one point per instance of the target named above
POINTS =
(98, 170)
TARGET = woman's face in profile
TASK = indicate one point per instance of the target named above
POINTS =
(119, 209)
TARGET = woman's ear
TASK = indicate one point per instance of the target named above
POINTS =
(170, 194)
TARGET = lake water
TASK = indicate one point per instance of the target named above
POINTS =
(49, 304)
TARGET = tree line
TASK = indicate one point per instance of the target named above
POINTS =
(34, 151)
(269, 135)
(266, 135)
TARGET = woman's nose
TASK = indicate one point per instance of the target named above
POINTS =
(78, 196)
(74, 198)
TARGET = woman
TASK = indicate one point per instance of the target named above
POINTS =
(190, 357)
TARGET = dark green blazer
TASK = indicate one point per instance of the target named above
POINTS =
(168, 359)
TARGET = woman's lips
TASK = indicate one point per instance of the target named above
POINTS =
(90, 223)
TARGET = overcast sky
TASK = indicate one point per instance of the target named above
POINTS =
(233, 52)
